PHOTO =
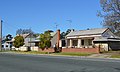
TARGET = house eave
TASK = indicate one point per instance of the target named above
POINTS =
(84, 36)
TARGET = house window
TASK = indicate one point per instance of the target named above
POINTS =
(75, 42)
(10, 46)
(89, 41)
(2, 46)
(82, 42)
(6, 45)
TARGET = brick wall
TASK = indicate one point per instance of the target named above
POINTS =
(47, 50)
(86, 50)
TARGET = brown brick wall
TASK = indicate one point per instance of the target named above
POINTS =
(47, 50)
(82, 50)
(86, 50)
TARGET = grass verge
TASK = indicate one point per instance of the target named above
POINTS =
(62, 53)
(29, 52)
(115, 56)
(73, 54)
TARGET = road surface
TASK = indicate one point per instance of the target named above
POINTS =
(10, 62)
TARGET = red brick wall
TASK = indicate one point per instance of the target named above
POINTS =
(86, 50)
(47, 50)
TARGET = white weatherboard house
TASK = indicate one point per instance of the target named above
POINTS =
(26, 47)
(99, 37)
(6, 45)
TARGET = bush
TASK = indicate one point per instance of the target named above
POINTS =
(19, 41)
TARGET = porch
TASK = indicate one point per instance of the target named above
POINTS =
(80, 43)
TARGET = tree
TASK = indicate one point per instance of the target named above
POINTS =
(19, 41)
(45, 40)
(36, 34)
(63, 34)
(24, 31)
(19, 31)
(8, 37)
(69, 30)
(111, 14)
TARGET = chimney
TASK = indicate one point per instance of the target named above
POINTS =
(58, 37)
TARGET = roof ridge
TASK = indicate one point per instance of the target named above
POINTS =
(88, 32)
(92, 29)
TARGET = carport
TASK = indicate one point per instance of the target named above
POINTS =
(108, 43)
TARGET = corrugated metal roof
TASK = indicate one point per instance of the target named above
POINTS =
(105, 39)
(23, 35)
(33, 41)
(53, 33)
(87, 32)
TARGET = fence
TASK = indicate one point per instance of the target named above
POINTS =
(82, 50)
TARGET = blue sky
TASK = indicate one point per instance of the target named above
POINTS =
(41, 15)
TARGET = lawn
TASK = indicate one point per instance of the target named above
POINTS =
(73, 54)
(29, 52)
(115, 56)
(62, 53)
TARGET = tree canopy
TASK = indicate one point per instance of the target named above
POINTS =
(24, 31)
(19, 41)
(45, 40)
(8, 37)
(111, 14)
(63, 34)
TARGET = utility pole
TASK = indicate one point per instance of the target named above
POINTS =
(0, 35)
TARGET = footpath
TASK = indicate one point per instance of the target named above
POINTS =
(99, 56)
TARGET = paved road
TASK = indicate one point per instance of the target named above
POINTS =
(39, 63)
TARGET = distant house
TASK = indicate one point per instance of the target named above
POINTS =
(54, 40)
(28, 37)
(35, 42)
(27, 45)
(99, 37)
(7, 45)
